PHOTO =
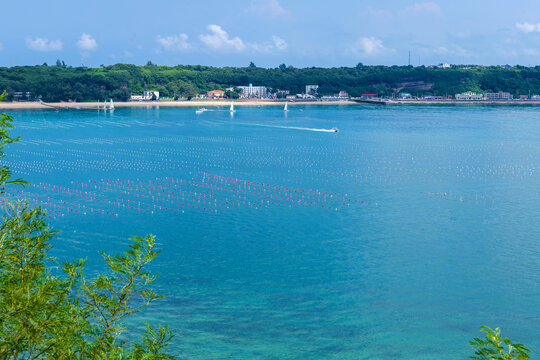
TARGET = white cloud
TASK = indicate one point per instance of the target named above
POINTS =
(42, 44)
(450, 50)
(277, 44)
(368, 46)
(174, 42)
(268, 8)
(425, 8)
(86, 43)
(528, 28)
(218, 39)
(441, 50)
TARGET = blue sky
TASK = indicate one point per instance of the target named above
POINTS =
(270, 32)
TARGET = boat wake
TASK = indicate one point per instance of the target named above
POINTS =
(332, 130)
(303, 128)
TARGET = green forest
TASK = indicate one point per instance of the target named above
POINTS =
(62, 83)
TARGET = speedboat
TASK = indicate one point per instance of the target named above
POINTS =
(334, 129)
(200, 111)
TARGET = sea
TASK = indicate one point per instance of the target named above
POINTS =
(396, 237)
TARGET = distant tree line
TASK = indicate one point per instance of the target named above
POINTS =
(61, 82)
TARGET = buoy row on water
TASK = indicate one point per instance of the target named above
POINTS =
(161, 155)
(208, 172)
(477, 199)
(95, 122)
(61, 207)
(203, 191)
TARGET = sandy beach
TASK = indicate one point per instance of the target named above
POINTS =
(195, 103)
(7, 105)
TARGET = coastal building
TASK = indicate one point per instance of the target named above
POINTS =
(312, 89)
(432, 97)
(146, 96)
(469, 95)
(368, 96)
(291, 97)
(498, 96)
(253, 91)
(149, 95)
(280, 94)
(215, 94)
(22, 96)
(523, 97)
(405, 96)
(343, 95)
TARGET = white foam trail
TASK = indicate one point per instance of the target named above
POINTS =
(301, 128)
(293, 128)
(283, 127)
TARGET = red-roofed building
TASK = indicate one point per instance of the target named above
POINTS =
(369, 96)
(216, 94)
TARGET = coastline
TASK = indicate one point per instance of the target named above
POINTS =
(194, 103)
(30, 105)
(453, 102)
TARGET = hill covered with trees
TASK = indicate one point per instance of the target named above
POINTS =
(61, 82)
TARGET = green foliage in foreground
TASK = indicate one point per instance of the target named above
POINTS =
(495, 347)
(119, 81)
(6, 122)
(68, 316)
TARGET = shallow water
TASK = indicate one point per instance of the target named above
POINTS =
(396, 238)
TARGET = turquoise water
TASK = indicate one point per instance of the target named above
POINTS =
(396, 238)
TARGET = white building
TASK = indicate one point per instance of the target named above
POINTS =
(149, 94)
(498, 96)
(469, 95)
(253, 91)
(215, 94)
(311, 89)
(146, 96)
(405, 95)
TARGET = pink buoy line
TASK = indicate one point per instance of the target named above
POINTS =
(202, 191)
